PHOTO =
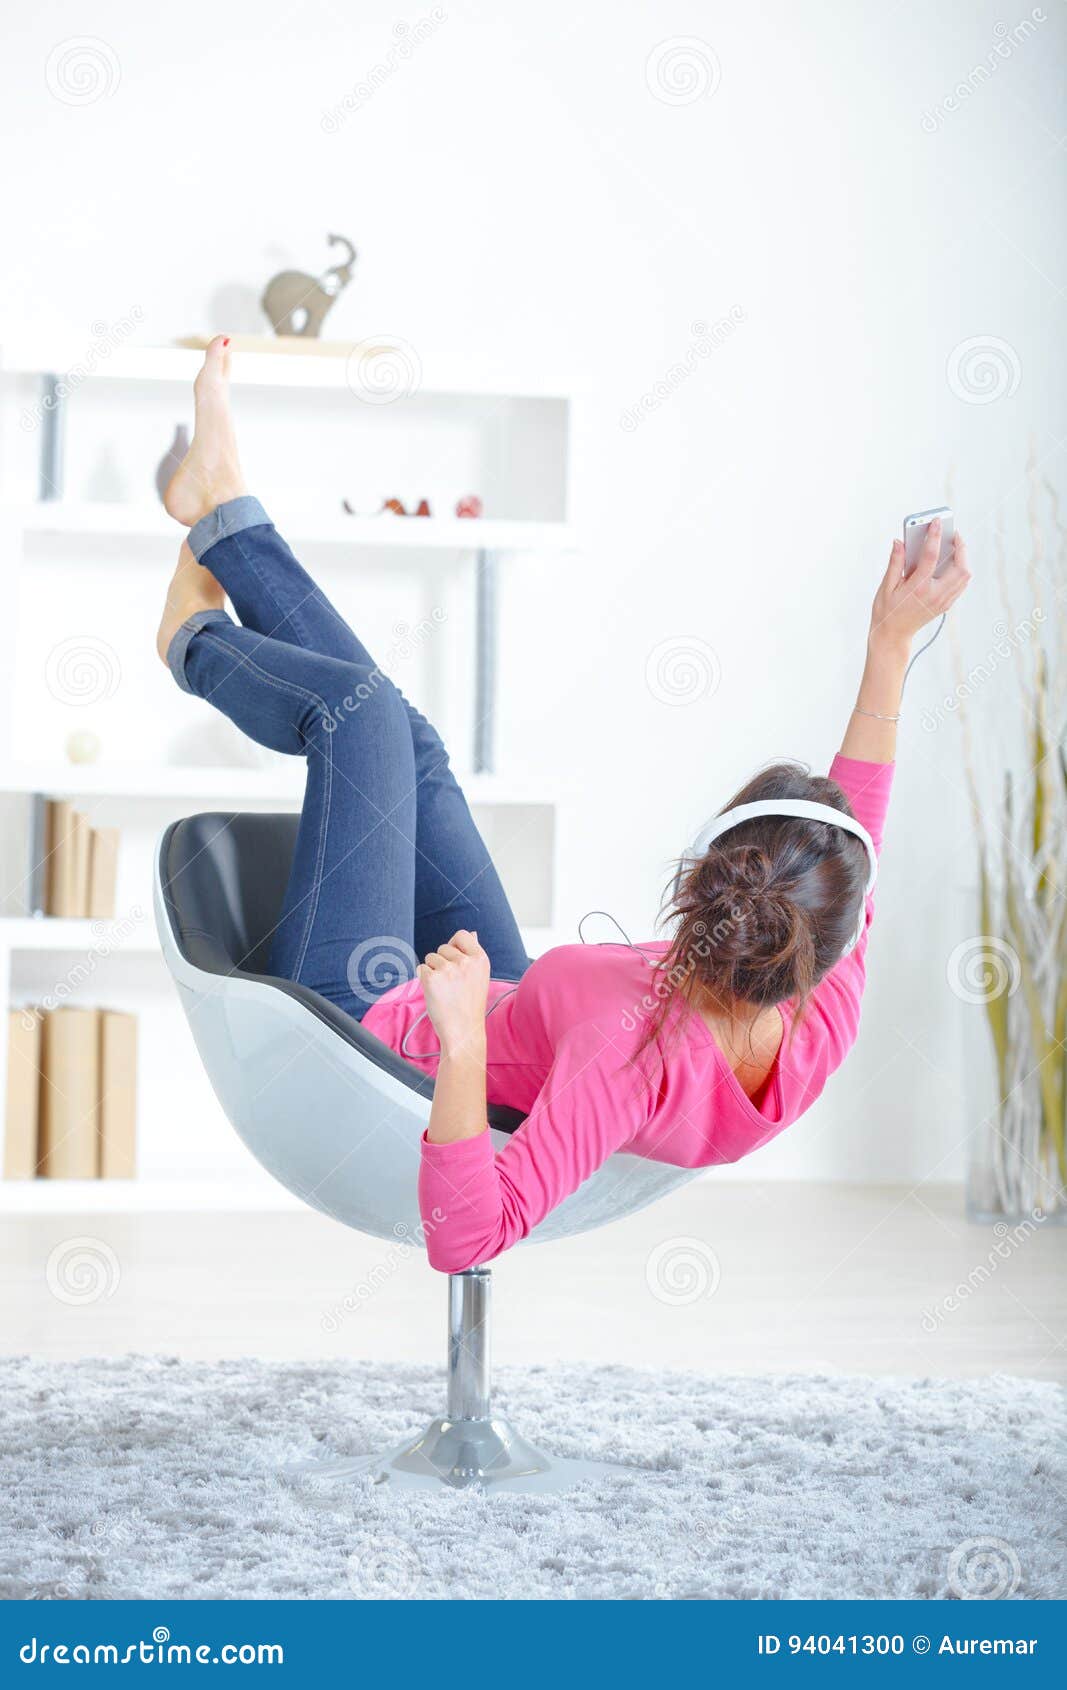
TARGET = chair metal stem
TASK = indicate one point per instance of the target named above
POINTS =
(469, 1362)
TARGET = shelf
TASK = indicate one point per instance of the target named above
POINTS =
(254, 1191)
(58, 933)
(58, 520)
(321, 371)
(226, 785)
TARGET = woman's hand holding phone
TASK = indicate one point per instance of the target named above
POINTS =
(904, 604)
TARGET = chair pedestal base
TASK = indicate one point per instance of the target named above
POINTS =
(461, 1454)
(468, 1446)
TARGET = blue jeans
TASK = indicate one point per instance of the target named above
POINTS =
(388, 863)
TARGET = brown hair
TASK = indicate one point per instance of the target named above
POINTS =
(768, 909)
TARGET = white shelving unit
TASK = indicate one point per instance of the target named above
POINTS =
(60, 935)
(333, 371)
(68, 510)
(132, 781)
(61, 521)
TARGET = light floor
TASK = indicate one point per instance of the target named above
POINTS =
(725, 1278)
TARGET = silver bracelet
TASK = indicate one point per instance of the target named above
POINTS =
(877, 714)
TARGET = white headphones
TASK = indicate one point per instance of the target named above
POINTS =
(803, 808)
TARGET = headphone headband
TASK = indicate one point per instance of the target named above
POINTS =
(805, 810)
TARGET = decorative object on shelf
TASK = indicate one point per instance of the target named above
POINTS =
(423, 508)
(296, 303)
(395, 506)
(83, 746)
(470, 505)
(1015, 966)
(171, 458)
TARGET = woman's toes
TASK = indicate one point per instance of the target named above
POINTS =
(216, 365)
(210, 473)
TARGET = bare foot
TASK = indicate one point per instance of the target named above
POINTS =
(210, 472)
(192, 588)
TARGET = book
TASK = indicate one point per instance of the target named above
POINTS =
(103, 872)
(23, 1086)
(69, 854)
(82, 834)
(118, 1095)
(70, 1094)
(61, 851)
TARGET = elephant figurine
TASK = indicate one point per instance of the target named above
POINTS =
(296, 303)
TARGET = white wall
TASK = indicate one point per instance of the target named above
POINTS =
(522, 199)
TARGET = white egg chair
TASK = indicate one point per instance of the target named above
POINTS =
(336, 1117)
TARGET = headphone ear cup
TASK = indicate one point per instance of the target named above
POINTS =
(858, 934)
(685, 865)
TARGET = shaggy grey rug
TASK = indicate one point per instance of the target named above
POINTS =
(146, 1477)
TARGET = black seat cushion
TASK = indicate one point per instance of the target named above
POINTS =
(223, 880)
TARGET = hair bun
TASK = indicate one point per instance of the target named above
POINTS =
(752, 923)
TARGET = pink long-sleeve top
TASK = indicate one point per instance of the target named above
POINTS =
(565, 1047)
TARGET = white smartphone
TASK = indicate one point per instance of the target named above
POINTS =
(915, 528)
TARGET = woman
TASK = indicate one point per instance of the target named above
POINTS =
(691, 1052)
